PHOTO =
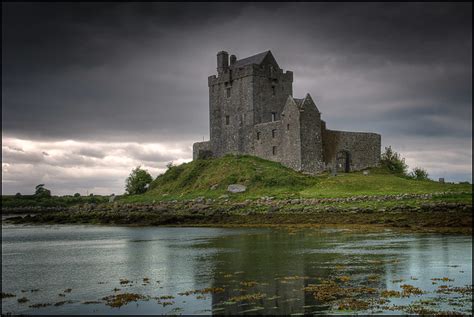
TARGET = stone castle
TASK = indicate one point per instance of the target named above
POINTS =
(252, 111)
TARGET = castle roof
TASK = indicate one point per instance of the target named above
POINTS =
(307, 100)
(255, 59)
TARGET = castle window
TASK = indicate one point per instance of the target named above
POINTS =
(274, 150)
(288, 126)
(274, 133)
(274, 114)
(258, 135)
(273, 90)
(227, 92)
(227, 120)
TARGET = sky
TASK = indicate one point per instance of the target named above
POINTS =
(90, 91)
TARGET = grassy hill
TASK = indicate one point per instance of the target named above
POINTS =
(210, 178)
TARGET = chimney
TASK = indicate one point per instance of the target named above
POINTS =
(222, 61)
(233, 59)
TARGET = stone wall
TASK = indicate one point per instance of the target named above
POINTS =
(363, 148)
(239, 98)
(201, 150)
(311, 139)
(290, 155)
(267, 139)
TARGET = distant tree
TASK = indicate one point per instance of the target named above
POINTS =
(91, 194)
(393, 162)
(18, 195)
(138, 181)
(77, 195)
(419, 174)
(40, 191)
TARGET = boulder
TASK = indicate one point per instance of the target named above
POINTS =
(236, 188)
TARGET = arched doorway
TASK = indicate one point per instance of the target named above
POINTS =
(343, 161)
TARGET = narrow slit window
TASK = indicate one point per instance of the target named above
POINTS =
(274, 114)
(227, 92)
(274, 150)
(288, 126)
(273, 90)
(227, 120)
(258, 135)
(273, 133)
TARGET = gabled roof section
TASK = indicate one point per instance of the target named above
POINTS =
(308, 102)
(257, 59)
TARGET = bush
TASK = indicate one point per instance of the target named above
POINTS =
(77, 195)
(393, 162)
(138, 181)
(419, 174)
(40, 191)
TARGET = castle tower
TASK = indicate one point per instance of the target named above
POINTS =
(249, 91)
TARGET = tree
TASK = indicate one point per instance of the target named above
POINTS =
(419, 174)
(77, 195)
(40, 191)
(393, 162)
(138, 181)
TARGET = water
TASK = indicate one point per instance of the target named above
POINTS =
(273, 266)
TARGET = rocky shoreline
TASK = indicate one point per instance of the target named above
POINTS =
(414, 211)
(313, 204)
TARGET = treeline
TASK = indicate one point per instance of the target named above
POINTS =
(17, 201)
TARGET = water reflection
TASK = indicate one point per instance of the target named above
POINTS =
(240, 270)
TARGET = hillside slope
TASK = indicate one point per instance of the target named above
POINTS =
(210, 178)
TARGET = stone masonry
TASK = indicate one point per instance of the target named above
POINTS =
(252, 111)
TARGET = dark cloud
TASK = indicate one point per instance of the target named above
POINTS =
(115, 71)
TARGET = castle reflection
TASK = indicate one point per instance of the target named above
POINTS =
(267, 273)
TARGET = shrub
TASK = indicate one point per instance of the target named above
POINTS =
(138, 181)
(40, 191)
(77, 195)
(393, 162)
(419, 174)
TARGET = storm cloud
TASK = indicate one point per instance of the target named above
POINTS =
(127, 76)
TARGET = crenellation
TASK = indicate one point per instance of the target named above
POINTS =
(252, 111)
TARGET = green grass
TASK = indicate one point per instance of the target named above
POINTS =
(266, 178)
(378, 182)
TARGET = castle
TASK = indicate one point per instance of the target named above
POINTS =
(252, 111)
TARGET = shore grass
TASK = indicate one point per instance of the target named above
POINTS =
(210, 178)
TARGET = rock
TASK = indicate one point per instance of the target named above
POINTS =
(213, 187)
(112, 198)
(236, 188)
(199, 199)
(366, 172)
(223, 196)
